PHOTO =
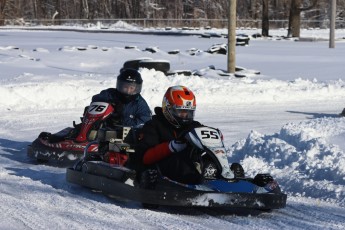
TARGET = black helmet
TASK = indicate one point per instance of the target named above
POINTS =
(129, 82)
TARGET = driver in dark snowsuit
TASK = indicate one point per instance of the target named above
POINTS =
(130, 107)
(160, 142)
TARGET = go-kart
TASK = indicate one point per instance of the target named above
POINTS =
(68, 144)
(108, 171)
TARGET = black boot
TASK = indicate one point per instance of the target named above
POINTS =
(148, 179)
(238, 170)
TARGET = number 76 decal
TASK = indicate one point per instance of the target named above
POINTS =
(97, 108)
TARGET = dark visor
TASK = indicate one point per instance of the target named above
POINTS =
(128, 88)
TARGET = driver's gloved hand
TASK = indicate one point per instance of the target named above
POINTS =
(118, 109)
(177, 145)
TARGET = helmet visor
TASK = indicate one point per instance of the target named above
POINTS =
(183, 114)
(128, 88)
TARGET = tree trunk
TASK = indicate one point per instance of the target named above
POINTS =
(85, 9)
(295, 16)
(2, 12)
(41, 13)
(294, 19)
(265, 20)
(57, 13)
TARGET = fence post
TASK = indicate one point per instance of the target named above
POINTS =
(232, 36)
(332, 23)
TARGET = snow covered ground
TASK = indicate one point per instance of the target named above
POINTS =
(284, 121)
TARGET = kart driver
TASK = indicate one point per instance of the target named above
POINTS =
(130, 107)
(160, 143)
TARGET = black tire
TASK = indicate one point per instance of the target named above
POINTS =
(81, 48)
(78, 165)
(239, 75)
(222, 51)
(163, 66)
(134, 64)
(174, 52)
(205, 36)
(151, 49)
(130, 47)
(184, 72)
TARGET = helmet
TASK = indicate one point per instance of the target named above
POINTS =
(179, 106)
(129, 82)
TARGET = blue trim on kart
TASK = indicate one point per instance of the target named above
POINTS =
(237, 186)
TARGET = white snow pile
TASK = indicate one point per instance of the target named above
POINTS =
(29, 91)
(306, 158)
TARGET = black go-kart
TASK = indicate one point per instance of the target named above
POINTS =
(107, 172)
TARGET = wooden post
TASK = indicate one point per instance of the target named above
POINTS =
(232, 36)
(332, 23)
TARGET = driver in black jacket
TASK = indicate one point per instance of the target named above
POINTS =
(160, 143)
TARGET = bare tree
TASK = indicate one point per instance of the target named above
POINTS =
(295, 16)
(85, 8)
(265, 20)
(40, 9)
(2, 12)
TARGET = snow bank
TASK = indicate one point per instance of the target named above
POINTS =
(302, 157)
(35, 92)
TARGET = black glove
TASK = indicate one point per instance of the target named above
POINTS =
(183, 133)
(117, 113)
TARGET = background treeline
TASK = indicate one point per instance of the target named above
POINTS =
(272, 10)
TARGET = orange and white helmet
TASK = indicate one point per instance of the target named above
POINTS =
(179, 105)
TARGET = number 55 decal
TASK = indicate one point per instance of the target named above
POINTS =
(206, 134)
